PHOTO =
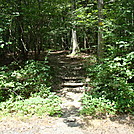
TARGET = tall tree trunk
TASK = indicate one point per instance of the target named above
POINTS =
(74, 42)
(22, 45)
(74, 35)
(85, 40)
(100, 38)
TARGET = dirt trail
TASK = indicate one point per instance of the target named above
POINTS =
(70, 79)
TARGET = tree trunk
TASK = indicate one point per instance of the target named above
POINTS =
(74, 35)
(74, 42)
(85, 40)
(100, 35)
(21, 44)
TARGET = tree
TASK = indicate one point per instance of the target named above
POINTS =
(100, 23)
(74, 42)
(74, 33)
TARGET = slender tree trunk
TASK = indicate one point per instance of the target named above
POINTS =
(85, 40)
(100, 35)
(74, 42)
(74, 35)
(21, 43)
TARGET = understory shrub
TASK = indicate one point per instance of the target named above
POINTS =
(26, 90)
(113, 80)
(33, 106)
(97, 106)
(34, 77)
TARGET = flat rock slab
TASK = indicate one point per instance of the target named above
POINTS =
(73, 84)
(73, 78)
(71, 119)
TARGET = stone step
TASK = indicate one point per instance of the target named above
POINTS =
(74, 68)
(71, 71)
(70, 63)
(69, 59)
(76, 89)
(68, 66)
(73, 78)
(73, 84)
(73, 81)
(71, 75)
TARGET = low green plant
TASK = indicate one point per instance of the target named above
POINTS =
(26, 89)
(33, 106)
(33, 77)
(97, 106)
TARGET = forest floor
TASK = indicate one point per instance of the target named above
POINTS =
(70, 79)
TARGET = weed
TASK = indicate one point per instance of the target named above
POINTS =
(32, 106)
(27, 90)
(97, 106)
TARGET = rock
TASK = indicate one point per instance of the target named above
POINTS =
(70, 119)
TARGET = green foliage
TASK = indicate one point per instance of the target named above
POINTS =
(114, 80)
(34, 77)
(32, 106)
(26, 25)
(97, 106)
(113, 77)
(26, 90)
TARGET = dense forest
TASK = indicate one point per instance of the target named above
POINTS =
(101, 28)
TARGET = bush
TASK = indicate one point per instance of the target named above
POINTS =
(113, 80)
(32, 106)
(27, 90)
(34, 77)
(97, 106)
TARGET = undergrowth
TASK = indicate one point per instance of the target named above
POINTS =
(33, 106)
(26, 89)
(97, 106)
(112, 85)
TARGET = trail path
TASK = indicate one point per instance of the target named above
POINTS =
(70, 84)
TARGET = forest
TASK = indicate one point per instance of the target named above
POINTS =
(31, 29)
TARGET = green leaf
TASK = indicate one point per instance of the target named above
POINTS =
(2, 45)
